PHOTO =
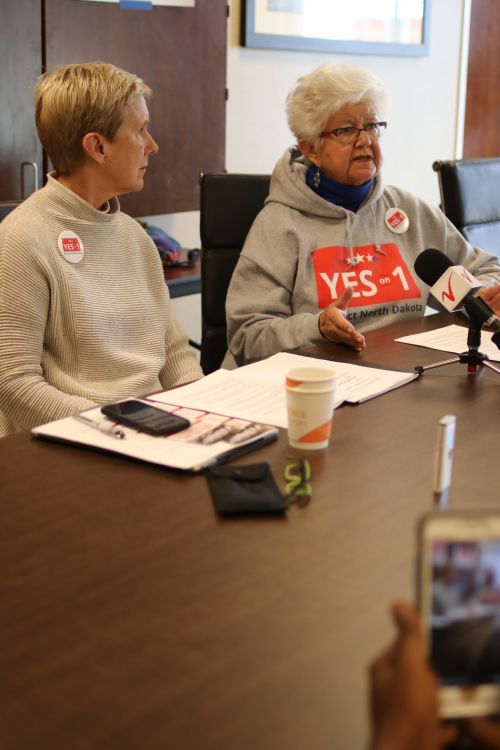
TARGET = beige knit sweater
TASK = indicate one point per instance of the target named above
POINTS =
(73, 335)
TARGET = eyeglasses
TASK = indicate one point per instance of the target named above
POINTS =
(350, 134)
(297, 476)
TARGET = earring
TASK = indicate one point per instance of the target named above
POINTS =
(317, 178)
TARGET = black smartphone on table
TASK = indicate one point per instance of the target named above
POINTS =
(459, 597)
(145, 417)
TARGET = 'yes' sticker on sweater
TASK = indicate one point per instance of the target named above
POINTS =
(70, 246)
(377, 276)
(397, 220)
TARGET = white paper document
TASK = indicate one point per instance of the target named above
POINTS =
(452, 339)
(211, 438)
(257, 392)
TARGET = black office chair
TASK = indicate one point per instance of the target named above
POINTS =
(228, 205)
(470, 198)
(6, 207)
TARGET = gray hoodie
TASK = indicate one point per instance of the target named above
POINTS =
(302, 251)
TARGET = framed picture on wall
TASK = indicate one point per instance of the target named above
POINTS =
(147, 4)
(384, 27)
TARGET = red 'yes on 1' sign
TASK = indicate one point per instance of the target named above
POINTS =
(71, 244)
(377, 277)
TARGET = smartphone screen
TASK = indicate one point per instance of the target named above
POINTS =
(145, 418)
(460, 603)
(465, 615)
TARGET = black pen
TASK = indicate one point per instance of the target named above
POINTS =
(105, 429)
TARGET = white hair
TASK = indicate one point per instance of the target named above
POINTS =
(320, 94)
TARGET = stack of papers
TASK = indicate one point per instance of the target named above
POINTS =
(452, 339)
(231, 412)
(210, 439)
(257, 392)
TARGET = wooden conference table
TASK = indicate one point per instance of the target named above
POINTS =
(134, 618)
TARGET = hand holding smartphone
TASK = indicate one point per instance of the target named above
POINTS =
(145, 417)
(459, 593)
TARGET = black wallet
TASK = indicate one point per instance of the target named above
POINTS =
(245, 490)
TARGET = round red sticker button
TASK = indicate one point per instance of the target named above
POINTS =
(70, 246)
(396, 220)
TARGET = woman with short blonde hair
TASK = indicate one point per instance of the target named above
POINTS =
(77, 99)
(85, 314)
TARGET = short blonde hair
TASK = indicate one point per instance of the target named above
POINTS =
(320, 94)
(73, 100)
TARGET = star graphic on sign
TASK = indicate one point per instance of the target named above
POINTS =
(358, 258)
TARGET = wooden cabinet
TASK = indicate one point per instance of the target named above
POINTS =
(20, 66)
(482, 113)
(179, 52)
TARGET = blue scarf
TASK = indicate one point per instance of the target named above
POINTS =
(346, 196)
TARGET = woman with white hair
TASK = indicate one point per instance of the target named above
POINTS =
(331, 254)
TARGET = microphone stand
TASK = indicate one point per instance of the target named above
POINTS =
(473, 358)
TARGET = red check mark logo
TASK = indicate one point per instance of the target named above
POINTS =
(467, 276)
(448, 294)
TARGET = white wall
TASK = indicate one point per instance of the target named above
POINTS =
(425, 119)
(423, 92)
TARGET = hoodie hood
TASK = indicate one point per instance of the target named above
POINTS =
(288, 187)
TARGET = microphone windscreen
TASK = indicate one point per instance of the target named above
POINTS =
(430, 265)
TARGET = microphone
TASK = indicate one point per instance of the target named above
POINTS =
(455, 288)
